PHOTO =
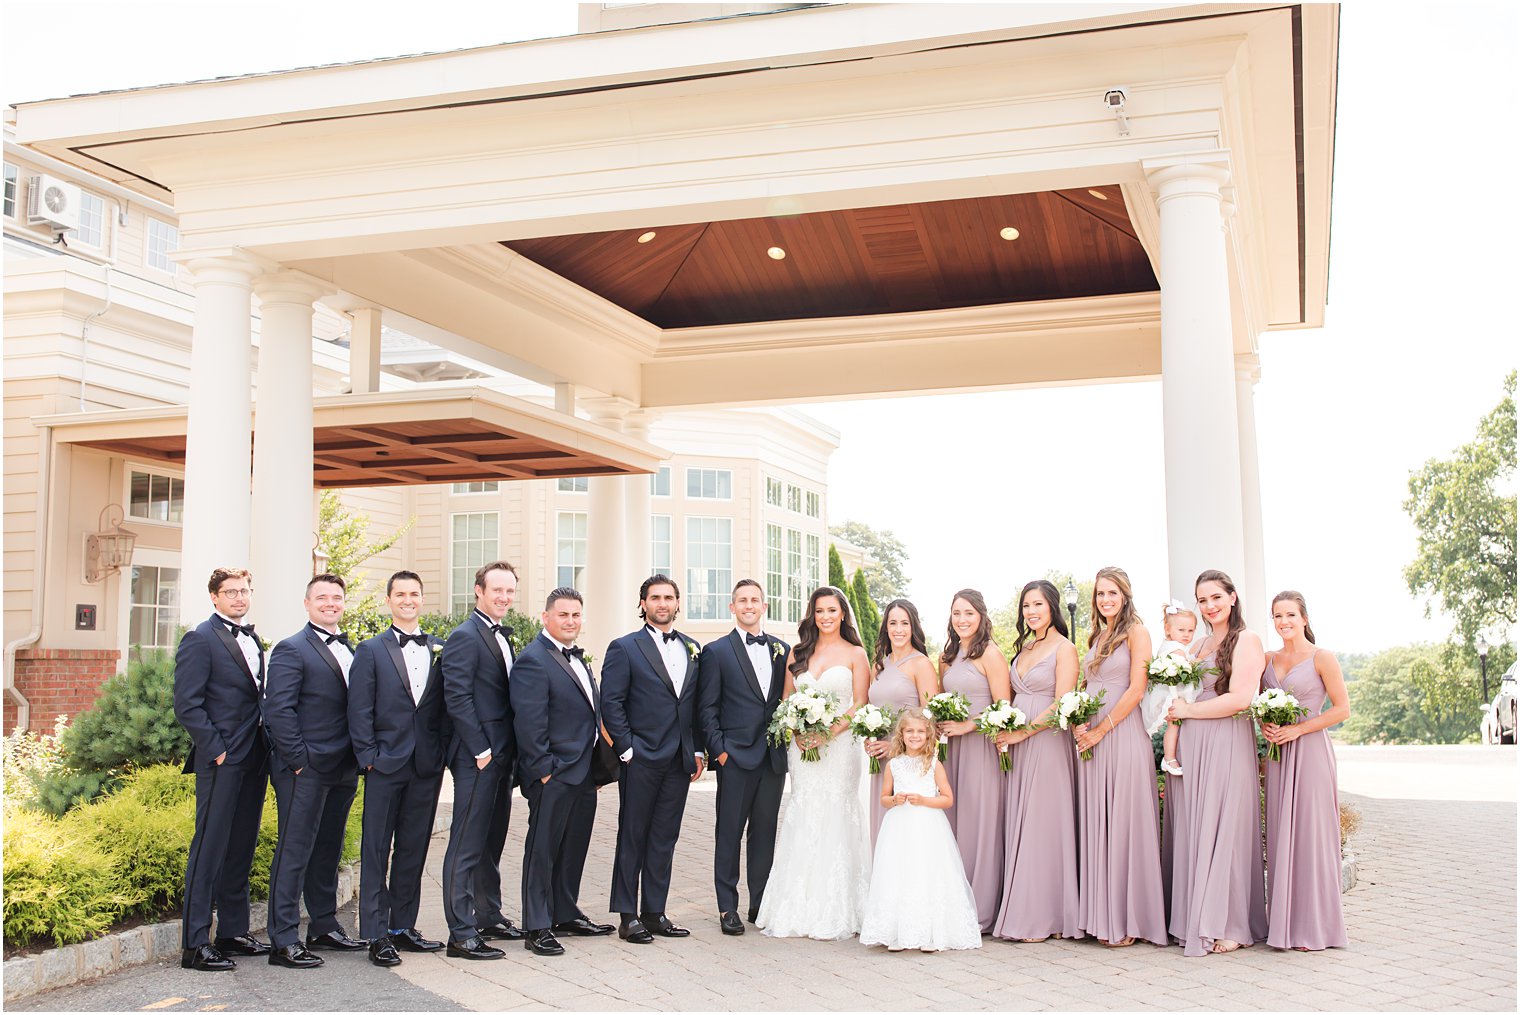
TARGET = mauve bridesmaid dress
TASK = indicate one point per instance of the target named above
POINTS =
(1216, 877)
(976, 780)
(892, 689)
(1040, 843)
(1119, 855)
(1303, 828)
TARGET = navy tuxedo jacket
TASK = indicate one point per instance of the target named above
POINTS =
(731, 710)
(388, 729)
(639, 704)
(556, 724)
(475, 694)
(216, 697)
(306, 705)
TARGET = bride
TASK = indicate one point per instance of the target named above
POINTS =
(821, 874)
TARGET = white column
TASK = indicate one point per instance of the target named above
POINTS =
(636, 494)
(1204, 514)
(364, 350)
(218, 439)
(282, 451)
(1254, 586)
(611, 605)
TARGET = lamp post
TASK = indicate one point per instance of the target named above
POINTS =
(1482, 647)
(1071, 604)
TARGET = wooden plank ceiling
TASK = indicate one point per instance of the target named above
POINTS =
(862, 261)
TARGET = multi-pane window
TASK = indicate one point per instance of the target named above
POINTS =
(709, 566)
(793, 498)
(570, 549)
(475, 537)
(659, 482)
(156, 498)
(573, 484)
(710, 484)
(814, 563)
(773, 491)
(12, 179)
(155, 607)
(659, 545)
(795, 594)
(775, 573)
(814, 504)
(163, 240)
(92, 216)
(484, 486)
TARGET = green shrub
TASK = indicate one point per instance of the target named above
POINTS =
(132, 723)
(145, 827)
(263, 853)
(59, 882)
(355, 827)
(59, 790)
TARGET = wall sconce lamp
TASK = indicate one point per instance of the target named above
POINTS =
(108, 551)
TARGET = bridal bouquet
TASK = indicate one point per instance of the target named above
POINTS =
(1174, 671)
(1001, 717)
(806, 710)
(1075, 708)
(871, 722)
(1171, 677)
(948, 706)
(1278, 707)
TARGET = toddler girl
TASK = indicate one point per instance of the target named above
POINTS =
(1178, 626)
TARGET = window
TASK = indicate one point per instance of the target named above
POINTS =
(774, 573)
(814, 563)
(156, 498)
(795, 594)
(573, 484)
(163, 240)
(659, 482)
(709, 566)
(155, 607)
(570, 549)
(814, 504)
(710, 484)
(92, 216)
(793, 498)
(474, 540)
(11, 180)
(773, 491)
(659, 547)
(485, 486)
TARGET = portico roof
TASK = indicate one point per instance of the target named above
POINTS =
(446, 435)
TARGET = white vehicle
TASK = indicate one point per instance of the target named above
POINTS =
(1499, 715)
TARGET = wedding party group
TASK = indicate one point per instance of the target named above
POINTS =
(1016, 798)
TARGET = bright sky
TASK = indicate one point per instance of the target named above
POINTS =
(1413, 352)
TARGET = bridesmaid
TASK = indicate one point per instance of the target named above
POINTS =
(1303, 813)
(1040, 843)
(1119, 860)
(1218, 901)
(972, 664)
(902, 677)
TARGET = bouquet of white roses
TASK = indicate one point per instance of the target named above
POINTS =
(1174, 671)
(949, 706)
(1278, 707)
(1170, 677)
(807, 710)
(1075, 708)
(1001, 717)
(872, 722)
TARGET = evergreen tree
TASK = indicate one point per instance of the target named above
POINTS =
(867, 616)
(836, 568)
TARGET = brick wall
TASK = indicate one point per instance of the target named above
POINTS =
(59, 681)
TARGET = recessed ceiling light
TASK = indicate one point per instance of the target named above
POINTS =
(1098, 194)
(646, 237)
(1008, 233)
(775, 253)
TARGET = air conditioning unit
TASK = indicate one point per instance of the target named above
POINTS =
(53, 201)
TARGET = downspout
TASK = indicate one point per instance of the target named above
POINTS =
(39, 579)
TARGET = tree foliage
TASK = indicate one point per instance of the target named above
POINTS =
(1410, 695)
(1005, 618)
(344, 536)
(867, 616)
(836, 568)
(887, 578)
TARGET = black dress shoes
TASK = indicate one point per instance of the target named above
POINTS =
(542, 942)
(731, 923)
(473, 948)
(410, 941)
(634, 932)
(582, 927)
(659, 923)
(337, 941)
(294, 957)
(241, 945)
(502, 930)
(383, 953)
(205, 958)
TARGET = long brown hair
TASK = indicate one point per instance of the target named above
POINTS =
(1105, 635)
(807, 630)
(1234, 624)
(1288, 595)
(1047, 592)
(915, 633)
(979, 641)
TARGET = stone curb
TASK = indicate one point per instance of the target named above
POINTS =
(26, 975)
(1348, 872)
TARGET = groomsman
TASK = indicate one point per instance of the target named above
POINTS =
(315, 777)
(399, 729)
(477, 665)
(556, 715)
(649, 707)
(218, 687)
(741, 676)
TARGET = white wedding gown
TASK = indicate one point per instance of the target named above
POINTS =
(822, 869)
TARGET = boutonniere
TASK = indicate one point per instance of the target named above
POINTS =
(435, 648)
(692, 650)
(265, 644)
(588, 659)
(776, 650)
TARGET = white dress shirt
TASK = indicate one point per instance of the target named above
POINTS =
(675, 655)
(418, 659)
(577, 666)
(338, 649)
(250, 646)
(501, 640)
(760, 658)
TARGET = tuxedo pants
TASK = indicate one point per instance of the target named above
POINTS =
(472, 862)
(651, 803)
(748, 799)
(313, 810)
(229, 803)
(397, 822)
(560, 818)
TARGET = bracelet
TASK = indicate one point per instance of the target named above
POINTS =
(1110, 724)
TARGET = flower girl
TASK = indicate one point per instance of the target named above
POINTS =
(919, 896)
(1178, 627)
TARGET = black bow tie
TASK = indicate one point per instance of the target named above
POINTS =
(420, 638)
(669, 636)
(574, 651)
(503, 630)
(234, 628)
(754, 639)
(330, 638)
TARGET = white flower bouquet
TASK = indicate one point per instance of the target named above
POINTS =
(1170, 677)
(872, 722)
(948, 706)
(807, 710)
(1001, 717)
(1278, 707)
(1075, 708)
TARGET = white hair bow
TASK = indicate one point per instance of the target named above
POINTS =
(1175, 606)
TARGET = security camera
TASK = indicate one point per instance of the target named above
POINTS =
(1115, 99)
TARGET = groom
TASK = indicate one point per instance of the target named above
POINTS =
(739, 686)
